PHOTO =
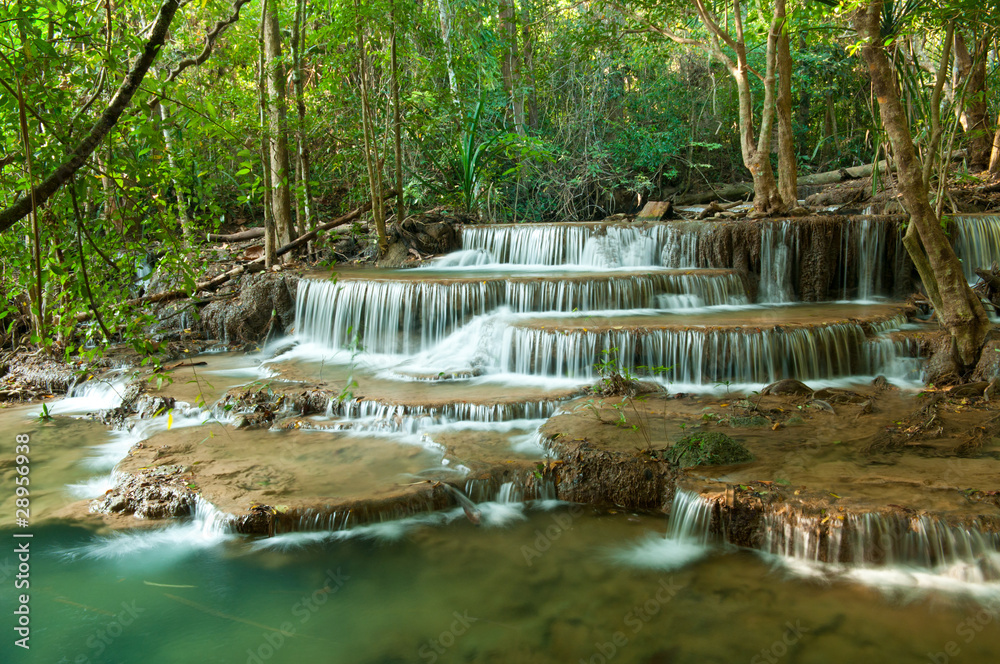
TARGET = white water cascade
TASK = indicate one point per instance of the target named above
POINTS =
(884, 549)
(977, 242)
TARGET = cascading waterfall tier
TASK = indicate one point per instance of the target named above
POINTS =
(690, 517)
(695, 354)
(977, 242)
(406, 316)
(873, 539)
(795, 259)
(598, 245)
(368, 415)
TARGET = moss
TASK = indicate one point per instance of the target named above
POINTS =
(750, 421)
(708, 449)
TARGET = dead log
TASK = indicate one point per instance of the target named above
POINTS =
(250, 234)
(249, 267)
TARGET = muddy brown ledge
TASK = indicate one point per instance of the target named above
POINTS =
(897, 475)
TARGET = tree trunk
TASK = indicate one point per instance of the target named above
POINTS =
(995, 154)
(397, 119)
(787, 166)
(958, 309)
(756, 154)
(372, 162)
(757, 158)
(528, 53)
(270, 234)
(187, 227)
(971, 68)
(510, 65)
(445, 14)
(308, 219)
(278, 123)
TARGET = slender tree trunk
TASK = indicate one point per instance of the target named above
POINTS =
(970, 68)
(270, 233)
(277, 104)
(756, 153)
(397, 119)
(787, 166)
(528, 52)
(187, 227)
(307, 221)
(958, 309)
(368, 129)
(38, 305)
(445, 14)
(511, 64)
(995, 154)
(757, 158)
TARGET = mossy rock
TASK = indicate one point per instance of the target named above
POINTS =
(708, 449)
(749, 421)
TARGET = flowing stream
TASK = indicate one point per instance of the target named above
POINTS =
(466, 359)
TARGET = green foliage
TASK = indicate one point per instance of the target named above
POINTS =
(708, 449)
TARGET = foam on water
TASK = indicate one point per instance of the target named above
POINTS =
(89, 396)
(206, 528)
(687, 540)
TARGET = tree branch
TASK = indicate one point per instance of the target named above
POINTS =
(50, 185)
(206, 51)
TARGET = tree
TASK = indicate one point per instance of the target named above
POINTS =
(281, 204)
(958, 309)
(755, 145)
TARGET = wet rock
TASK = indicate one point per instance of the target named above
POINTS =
(788, 387)
(150, 406)
(159, 492)
(609, 478)
(708, 449)
(263, 307)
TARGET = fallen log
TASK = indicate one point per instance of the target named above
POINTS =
(248, 267)
(742, 190)
(249, 234)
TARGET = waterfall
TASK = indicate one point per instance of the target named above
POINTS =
(977, 242)
(91, 396)
(368, 415)
(569, 244)
(408, 316)
(687, 539)
(875, 541)
(864, 242)
(778, 249)
(690, 518)
(388, 316)
(697, 355)
(681, 244)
